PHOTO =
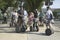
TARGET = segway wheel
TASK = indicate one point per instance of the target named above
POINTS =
(31, 28)
(37, 28)
(17, 30)
(23, 29)
(48, 31)
(10, 25)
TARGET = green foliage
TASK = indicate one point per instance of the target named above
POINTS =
(4, 4)
(33, 4)
(30, 5)
(55, 13)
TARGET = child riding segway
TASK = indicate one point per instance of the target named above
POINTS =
(30, 20)
(35, 22)
(41, 18)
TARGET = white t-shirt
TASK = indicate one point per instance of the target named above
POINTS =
(25, 13)
(14, 13)
(5, 14)
(15, 16)
(48, 13)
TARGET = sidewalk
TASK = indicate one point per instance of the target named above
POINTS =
(13, 36)
(21, 36)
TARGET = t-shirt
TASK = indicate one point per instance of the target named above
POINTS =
(41, 14)
(21, 12)
(35, 14)
(31, 17)
(48, 14)
(5, 14)
(25, 13)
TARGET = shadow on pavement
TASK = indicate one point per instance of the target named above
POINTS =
(4, 27)
(42, 34)
(57, 30)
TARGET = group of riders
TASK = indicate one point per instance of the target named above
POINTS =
(21, 19)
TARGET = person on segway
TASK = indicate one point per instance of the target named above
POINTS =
(35, 26)
(49, 17)
(5, 17)
(13, 14)
(30, 20)
(41, 15)
(20, 23)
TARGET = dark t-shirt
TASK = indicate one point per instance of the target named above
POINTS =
(35, 14)
(21, 12)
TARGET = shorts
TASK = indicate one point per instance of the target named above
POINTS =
(35, 19)
(48, 22)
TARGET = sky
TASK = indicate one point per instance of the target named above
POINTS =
(56, 4)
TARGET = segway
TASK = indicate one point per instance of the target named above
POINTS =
(12, 21)
(20, 29)
(49, 31)
(17, 29)
(10, 25)
(31, 28)
(23, 29)
(41, 21)
(35, 26)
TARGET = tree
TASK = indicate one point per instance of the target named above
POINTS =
(31, 5)
(4, 4)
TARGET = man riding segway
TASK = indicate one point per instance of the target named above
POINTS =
(20, 21)
(49, 17)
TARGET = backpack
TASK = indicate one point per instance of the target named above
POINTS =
(49, 31)
(51, 16)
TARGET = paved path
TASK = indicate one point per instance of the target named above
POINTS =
(7, 33)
